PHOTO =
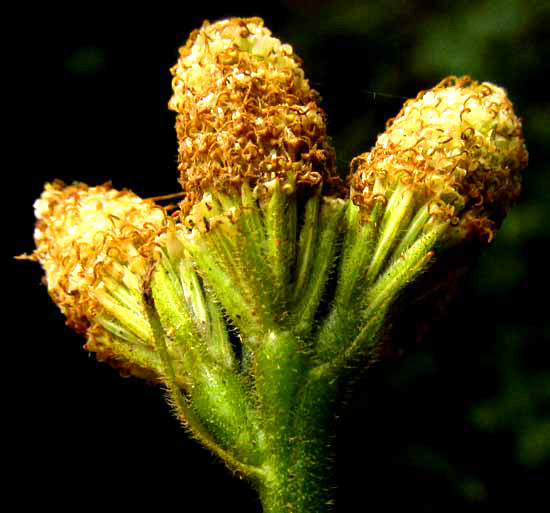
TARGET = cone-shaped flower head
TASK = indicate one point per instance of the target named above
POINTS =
(91, 242)
(245, 112)
(459, 146)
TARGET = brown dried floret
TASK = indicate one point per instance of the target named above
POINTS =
(245, 112)
(460, 146)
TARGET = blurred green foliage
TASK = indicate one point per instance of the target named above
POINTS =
(85, 61)
(522, 403)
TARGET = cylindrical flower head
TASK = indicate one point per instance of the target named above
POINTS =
(245, 112)
(459, 146)
(87, 236)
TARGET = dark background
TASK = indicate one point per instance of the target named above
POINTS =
(461, 423)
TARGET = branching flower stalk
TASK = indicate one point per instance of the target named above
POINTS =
(227, 302)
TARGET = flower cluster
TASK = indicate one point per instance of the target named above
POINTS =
(257, 299)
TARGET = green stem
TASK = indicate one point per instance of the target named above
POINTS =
(300, 483)
(218, 395)
(270, 414)
(184, 410)
(294, 408)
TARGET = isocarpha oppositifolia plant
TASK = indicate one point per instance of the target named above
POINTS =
(226, 300)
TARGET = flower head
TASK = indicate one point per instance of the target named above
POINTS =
(84, 234)
(245, 112)
(459, 145)
(93, 244)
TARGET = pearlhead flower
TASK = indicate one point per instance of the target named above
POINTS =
(460, 146)
(87, 235)
(93, 244)
(245, 112)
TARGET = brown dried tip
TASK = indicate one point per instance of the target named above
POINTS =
(85, 234)
(245, 111)
(460, 146)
